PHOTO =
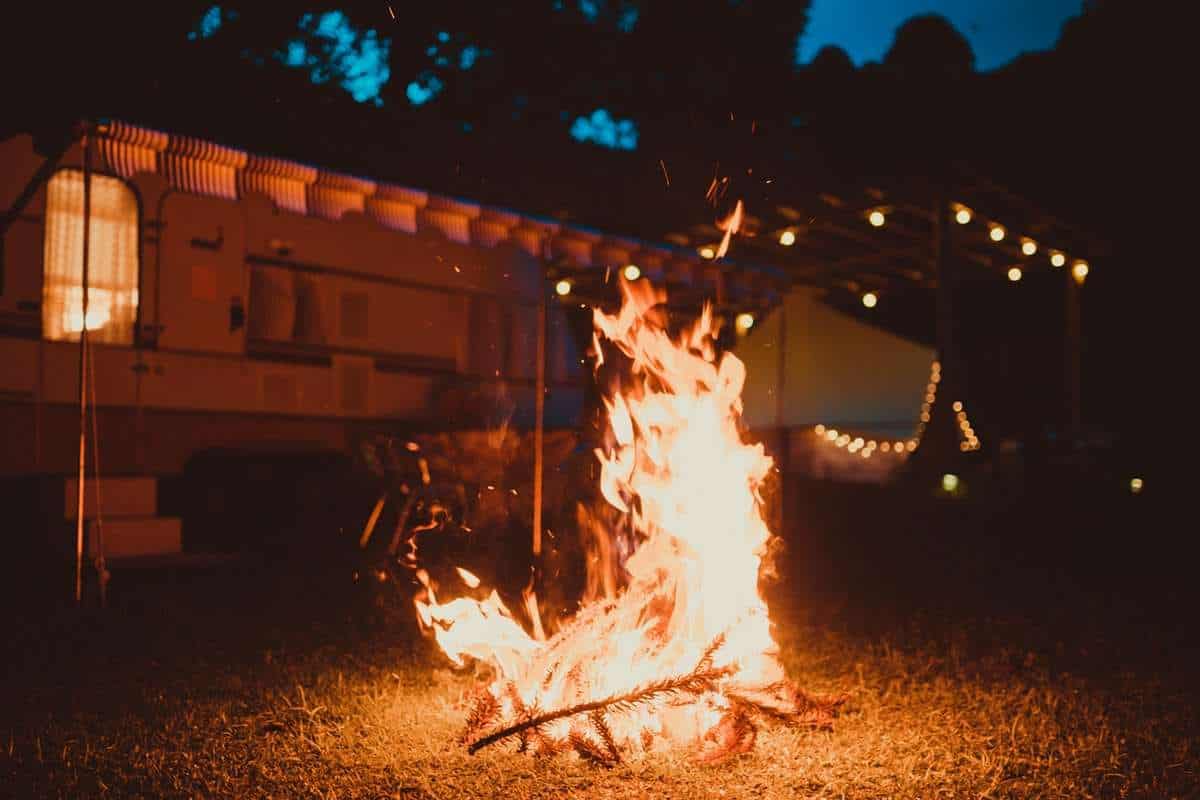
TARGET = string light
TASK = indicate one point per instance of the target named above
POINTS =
(997, 233)
(744, 322)
(899, 448)
(949, 483)
(869, 299)
(787, 238)
(632, 272)
(1135, 485)
(1079, 271)
(967, 440)
(563, 288)
(707, 252)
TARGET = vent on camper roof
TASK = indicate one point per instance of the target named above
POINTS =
(353, 315)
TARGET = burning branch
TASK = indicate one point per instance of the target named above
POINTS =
(483, 713)
(694, 683)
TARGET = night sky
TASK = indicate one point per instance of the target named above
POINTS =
(998, 30)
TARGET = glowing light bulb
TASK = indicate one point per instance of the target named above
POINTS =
(1057, 259)
(819, 430)
(963, 215)
(958, 406)
(632, 272)
(1014, 274)
(787, 238)
(869, 299)
(949, 482)
(1079, 271)
(707, 252)
(744, 321)
(1136, 484)
(996, 233)
(1028, 246)
(563, 288)
(876, 218)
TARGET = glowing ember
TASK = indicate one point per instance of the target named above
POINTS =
(673, 646)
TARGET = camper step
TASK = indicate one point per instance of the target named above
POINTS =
(119, 497)
(126, 537)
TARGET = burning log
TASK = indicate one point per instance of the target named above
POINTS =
(673, 647)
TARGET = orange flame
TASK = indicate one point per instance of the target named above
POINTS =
(731, 225)
(677, 467)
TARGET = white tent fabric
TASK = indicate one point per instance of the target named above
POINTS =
(839, 371)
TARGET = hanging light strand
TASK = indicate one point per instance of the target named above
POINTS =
(866, 448)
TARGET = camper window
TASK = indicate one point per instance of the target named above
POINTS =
(112, 260)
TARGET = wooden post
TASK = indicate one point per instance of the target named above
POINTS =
(1073, 370)
(785, 439)
(539, 424)
(940, 432)
(87, 224)
(942, 255)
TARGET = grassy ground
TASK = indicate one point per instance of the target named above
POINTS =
(235, 699)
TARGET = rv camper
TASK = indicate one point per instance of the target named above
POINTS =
(239, 300)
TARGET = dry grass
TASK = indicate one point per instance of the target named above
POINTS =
(924, 721)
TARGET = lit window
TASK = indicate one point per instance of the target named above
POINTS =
(112, 260)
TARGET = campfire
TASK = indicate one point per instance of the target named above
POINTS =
(672, 647)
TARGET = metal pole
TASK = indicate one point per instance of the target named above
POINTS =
(87, 225)
(539, 425)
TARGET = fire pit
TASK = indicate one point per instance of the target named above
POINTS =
(673, 648)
